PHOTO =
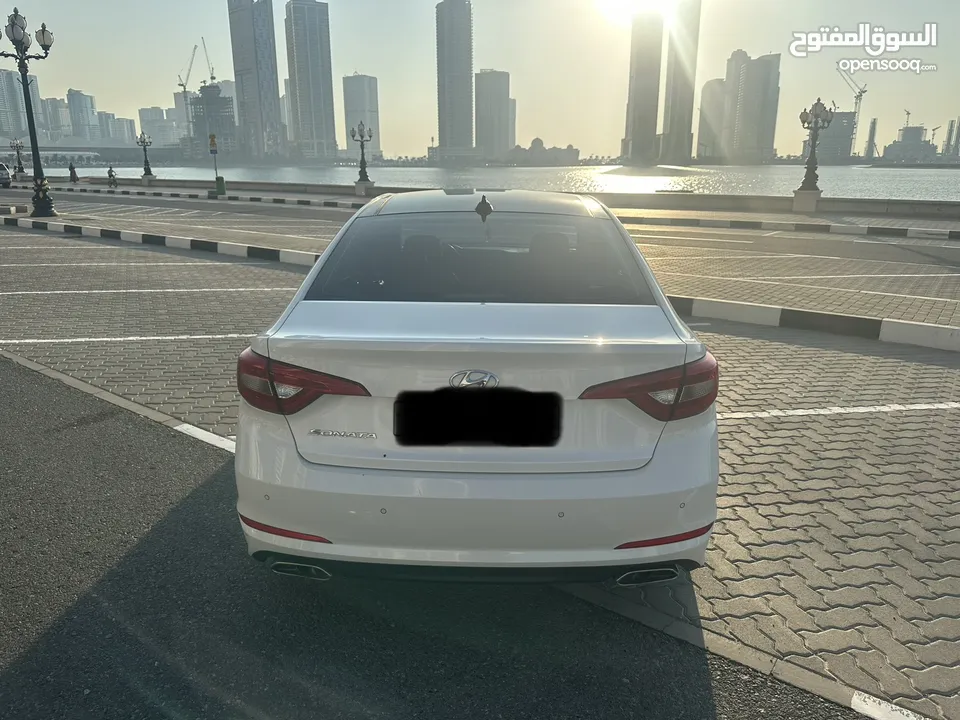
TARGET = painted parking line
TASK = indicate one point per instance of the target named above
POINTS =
(687, 237)
(128, 338)
(139, 290)
(121, 264)
(862, 275)
(861, 410)
(63, 247)
(810, 287)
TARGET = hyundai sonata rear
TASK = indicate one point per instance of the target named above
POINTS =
(479, 387)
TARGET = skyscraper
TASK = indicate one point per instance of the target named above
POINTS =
(13, 110)
(731, 84)
(512, 142)
(493, 113)
(455, 74)
(639, 146)
(83, 115)
(253, 40)
(712, 100)
(228, 88)
(311, 78)
(361, 103)
(758, 101)
(676, 145)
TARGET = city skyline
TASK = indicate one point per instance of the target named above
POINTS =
(562, 101)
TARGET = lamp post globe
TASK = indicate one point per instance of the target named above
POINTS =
(18, 35)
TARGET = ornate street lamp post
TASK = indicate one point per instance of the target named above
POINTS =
(362, 135)
(17, 34)
(17, 146)
(817, 118)
(144, 141)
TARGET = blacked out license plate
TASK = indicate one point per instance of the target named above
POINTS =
(470, 416)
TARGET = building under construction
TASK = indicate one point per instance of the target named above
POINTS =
(211, 113)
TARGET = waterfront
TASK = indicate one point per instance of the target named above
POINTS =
(835, 181)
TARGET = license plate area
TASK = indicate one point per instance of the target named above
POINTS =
(459, 416)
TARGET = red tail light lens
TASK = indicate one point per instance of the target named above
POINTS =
(672, 394)
(286, 389)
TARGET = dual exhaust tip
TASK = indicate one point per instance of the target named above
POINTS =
(301, 570)
(634, 578)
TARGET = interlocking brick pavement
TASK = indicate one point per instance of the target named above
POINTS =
(836, 544)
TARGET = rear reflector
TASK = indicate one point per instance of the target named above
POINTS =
(672, 394)
(670, 539)
(281, 532)
(286, 389)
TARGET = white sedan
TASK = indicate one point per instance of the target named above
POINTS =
(479, 386)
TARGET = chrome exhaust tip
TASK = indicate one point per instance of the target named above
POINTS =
(301, 570)
(636, 578)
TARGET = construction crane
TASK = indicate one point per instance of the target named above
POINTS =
(907, 123)
(858, 93)
(933, 134)
(184, 80)
(213, 77)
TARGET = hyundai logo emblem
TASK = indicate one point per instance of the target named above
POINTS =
(474, 379)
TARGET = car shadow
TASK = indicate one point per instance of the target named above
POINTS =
(186, 625)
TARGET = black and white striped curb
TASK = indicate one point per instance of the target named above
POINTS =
(209, 195)
(13, 209)
(876, 230)
(939, 337)
(904, 332)
(296, 257)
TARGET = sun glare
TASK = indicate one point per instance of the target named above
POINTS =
(622, 12)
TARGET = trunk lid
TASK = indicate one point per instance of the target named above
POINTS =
(394, 347)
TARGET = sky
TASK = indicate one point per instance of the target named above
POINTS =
(568, 59)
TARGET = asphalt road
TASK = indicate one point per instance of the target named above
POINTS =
(836, 546)
(128, 594)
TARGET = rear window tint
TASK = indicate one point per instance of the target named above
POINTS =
(511, 258)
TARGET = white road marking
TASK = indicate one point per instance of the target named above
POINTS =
(802, 412)
(208, 437)
(651, 258)
(863, 275)
(812, 287)
(159, 290)
(878, 709)
(698, 239)
(770, 234)
(129, 338)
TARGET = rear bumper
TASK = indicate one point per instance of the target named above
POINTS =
(471, 574)
(533, 525)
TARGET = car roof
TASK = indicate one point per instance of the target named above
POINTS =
(525, 201)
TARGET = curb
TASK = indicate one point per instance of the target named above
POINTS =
(218, 247)
(875, 230)
(707, 640)
(208, 195)
(902, 332)
(14, 209)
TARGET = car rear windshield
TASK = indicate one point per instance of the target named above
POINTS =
(456, 257)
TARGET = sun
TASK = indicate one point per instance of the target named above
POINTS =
(621, 12)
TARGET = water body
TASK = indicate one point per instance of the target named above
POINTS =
(837, 181)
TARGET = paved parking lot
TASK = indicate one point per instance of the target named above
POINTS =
(900, 278)
(840, 501)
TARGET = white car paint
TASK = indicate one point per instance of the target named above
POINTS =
(618, 475)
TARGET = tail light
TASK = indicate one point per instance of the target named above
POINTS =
(673, 394)
(286, 389)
